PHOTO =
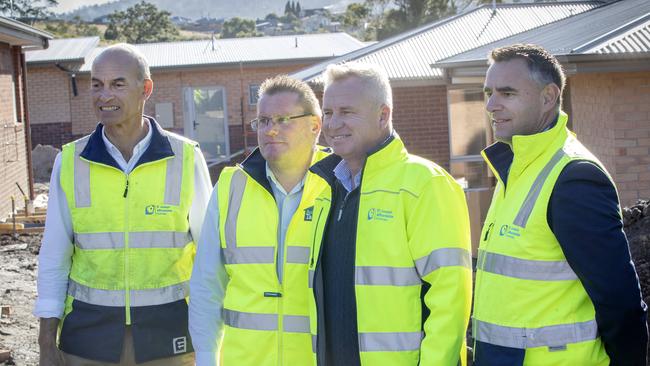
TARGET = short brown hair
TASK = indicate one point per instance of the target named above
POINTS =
(284, 83)
(543, 67)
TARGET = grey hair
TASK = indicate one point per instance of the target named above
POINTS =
(284, 83)
(144, 73)
(373, 76)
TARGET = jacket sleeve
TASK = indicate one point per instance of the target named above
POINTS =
(439, 239)
(584, 215)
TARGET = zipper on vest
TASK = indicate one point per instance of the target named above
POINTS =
(345, 200)
(127, 290)
(487, 232)
(126, 189)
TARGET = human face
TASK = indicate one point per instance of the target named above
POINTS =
(353, 122)
(291, 143)
(516, 104)
(117, 94)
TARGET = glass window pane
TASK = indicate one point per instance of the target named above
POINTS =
(472, 174)
(467, 121)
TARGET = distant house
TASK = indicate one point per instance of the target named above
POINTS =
(206, 90)
(15, 143)
(608, 87)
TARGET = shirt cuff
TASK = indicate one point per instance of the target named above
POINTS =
(46, 308)
(206, 358)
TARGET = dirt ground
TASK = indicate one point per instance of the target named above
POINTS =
(18, 261)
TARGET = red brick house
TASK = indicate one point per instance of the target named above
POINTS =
(15, 38)
(204, 89)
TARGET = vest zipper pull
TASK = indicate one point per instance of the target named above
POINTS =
(340, 214)
(487, 232)
(126, 189)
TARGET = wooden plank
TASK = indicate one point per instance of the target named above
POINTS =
(10, 226)
(4, 355)
(35, 218)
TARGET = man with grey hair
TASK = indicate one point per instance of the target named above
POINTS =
(390, 268)
(553, 245)
(250, 278)
(125, 203)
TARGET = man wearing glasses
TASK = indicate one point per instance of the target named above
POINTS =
(250, 278)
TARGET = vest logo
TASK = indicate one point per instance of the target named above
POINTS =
(180, 345)
(309, 213)
(157, 210)
(379, 214)
(509, 231)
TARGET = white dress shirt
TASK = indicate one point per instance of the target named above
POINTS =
(209, 278)
(55, 258)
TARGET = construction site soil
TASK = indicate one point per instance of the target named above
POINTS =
(18, 261)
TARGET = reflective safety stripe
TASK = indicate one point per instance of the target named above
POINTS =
(311, 278)
(298, 255)
(142, 239)
(390, 342)
(295, 323)
(249, 255)
(255, 321)
(145, 297)
(314, 342)
(444, 257)
(81, 176)
(529, 203)
(386, 276)
(237, 187)
(174, 175)
(550, 336)
(525, 269)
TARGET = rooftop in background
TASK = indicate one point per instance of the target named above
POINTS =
(218, 52)
(64, 50)
(408, 56)
(21, 34)
(623, 29)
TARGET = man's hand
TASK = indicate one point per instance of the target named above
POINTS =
(49, 353)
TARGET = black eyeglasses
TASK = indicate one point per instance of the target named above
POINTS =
(264, 122)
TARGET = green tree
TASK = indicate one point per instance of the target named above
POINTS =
(237, 27)
(141, 23)
(355, 15)
(27, 10)
(409, 14)
(298, 9)
(287, 7)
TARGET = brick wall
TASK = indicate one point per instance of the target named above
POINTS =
(13, 158)
(611, 115)
(420, 118)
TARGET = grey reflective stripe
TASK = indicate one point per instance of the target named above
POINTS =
(390, 342)
(99, 240)
(174, 175)
(81, 176)
(550, 336)
(255, 321)
(295, 323)
(237, 187)
(142, 239)
(311, 278)
(159, 239)
(298, 255)
(525, 269)
(386, 276)
(314, 343)
(444, 257)
(529, 203)
(147, 297)
(249, 255)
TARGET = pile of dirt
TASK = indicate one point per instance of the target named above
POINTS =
(637, 227)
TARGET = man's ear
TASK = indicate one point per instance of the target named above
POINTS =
(384, 116)
(550, 95)
(316, 124)
(147, 88)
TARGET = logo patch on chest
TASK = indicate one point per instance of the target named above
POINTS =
(509, 231)
(379, 214)
(157, 210)
(309, 213)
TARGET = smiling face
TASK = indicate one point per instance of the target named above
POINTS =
(517, 104)
(290, 143)
(353, 122)
(117, 94)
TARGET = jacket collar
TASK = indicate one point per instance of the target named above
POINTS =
(159, 148)
(506, 160)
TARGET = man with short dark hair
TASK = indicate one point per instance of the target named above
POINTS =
(554, 284)
(250, 278)
(125, 205)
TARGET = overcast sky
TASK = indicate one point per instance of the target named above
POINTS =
(67, 5)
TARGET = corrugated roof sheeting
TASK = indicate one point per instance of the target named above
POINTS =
(228, 51)
(637, 40)
(69, 49)
(408, 56)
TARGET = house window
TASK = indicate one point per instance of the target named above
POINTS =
(252, 93)
(469, 134)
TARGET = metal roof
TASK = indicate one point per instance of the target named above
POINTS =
(618, 27)
(21, 34)
(408, 56)
(246, 50)
(64, 50)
